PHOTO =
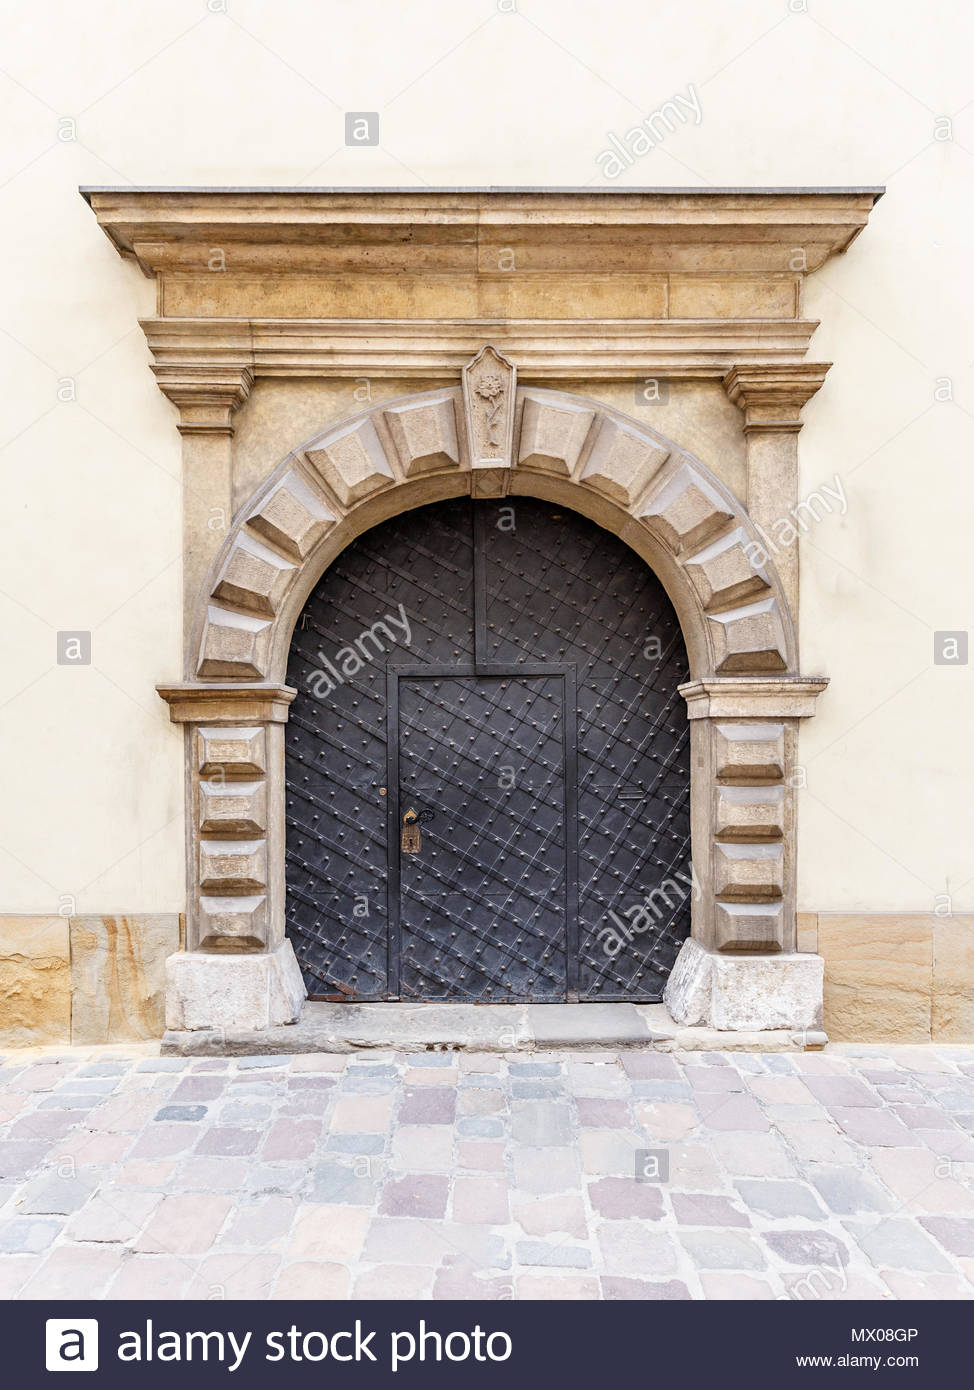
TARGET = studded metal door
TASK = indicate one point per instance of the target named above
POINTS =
(510, 671)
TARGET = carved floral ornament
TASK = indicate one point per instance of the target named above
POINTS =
(491, 438)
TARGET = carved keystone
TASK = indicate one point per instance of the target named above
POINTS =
(724, 574)
(253, 577)
(750, 752)
(425, 435)
(234, 644)
(489, 384)
(749, 927)
(686, 512)
(748, 871)
(749, 639)
(622, 462)
(552, 434)
(292, 517)
(352, 462)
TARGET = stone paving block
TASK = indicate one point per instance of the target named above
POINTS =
(196, 1088)
(779, 1090)
(611, 1152)
(633, 1247)
(481, 1200)
(323, 1231)
(152, 1277)
(422, 1147)
(663, 1121)
(290, 1139)
(185, 1224)
(479, 1155)
(614, 1287)
(554, 1256)
(706, 1209)
(878, 1127)
(425, 1105)
(621, 1198)
(538, 1287)
(649, 1066)
(52, 1195)
(817, 1141)
(731, 1111)
(402, 1283)
(183, 1113)
(457, 1279)
(602, 1113)
(359, 1144)
(929, 1287)
(779, 1199)
(346, 1183)
(28, 1234)
(214, 1175)
(522, 1069)
(116, 1215)
(415, 1194)
(847, 1191)
(365, 1114)
(808, 1248)
(541, 1123)
(234, 1276)
(480, 1127)
(754, 1155)
(722, 1250)
(229, 1141)
(735, 1287)
(402, 1240)
(303, 1280)
(955, 1233)
(716, 1079)
(897, 1242)
(262, 1223)
(844, 1091)
(922, 1117)
(597, 1079)
(549, 1216)
(479, 1101)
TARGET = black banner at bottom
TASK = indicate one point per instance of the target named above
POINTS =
(557, 1345)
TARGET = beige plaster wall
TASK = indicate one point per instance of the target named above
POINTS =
(253, 92)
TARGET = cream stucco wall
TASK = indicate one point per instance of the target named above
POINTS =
(477, 92)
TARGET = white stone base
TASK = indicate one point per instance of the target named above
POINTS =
(745, 993)
(246, 992)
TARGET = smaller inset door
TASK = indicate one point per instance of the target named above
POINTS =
(482, 904)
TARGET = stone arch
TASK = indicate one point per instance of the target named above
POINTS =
(662, 501)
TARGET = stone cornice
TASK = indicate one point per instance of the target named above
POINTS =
(213, 703)
(772, 396)
(456, 230)
(729, 697)
(546, 351)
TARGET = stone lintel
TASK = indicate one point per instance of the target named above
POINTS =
(772, 396)
(226, 703)
(785, 697)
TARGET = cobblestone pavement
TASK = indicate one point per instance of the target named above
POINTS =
(845, 1174)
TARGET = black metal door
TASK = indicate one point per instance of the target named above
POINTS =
(508, 670)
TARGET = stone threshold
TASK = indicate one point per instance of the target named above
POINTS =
(480, 1028)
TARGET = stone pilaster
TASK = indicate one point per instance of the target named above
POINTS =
(236, 882)
(772, 398)
(206, 396)
(744, 743)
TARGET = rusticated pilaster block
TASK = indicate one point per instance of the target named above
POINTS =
(748, 872)
(231, 752)
(229, 810)
(749, 813)
(750, 752)
(749, 926)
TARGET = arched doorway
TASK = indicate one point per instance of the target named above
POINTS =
(508, 670)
